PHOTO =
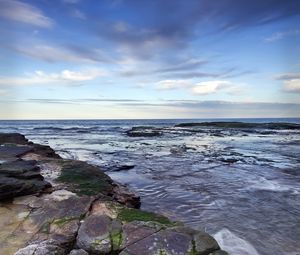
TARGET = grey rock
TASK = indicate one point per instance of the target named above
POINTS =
(12, 151)
(220, 252)
(135, 231)
(19, 178)
(43, 248)
(125, 196)
(204, 243)
(164, 242)
(142, 131)
(15, 138)
(78, 252)
(94, 235)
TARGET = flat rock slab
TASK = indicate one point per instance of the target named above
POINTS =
(19, 178)
(96, 234)
(164, 242)
(12, 151)
(14, 138)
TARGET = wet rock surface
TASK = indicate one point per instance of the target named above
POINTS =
(82, 211)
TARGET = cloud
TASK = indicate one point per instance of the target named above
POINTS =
(210, 87)
(280, 35)
(69, 53)
(200, 88)
(292, 85)
(81, 100)
(71, 1)
(173, 84)
(291, 82)
(3, 92)
(65, 77)
(216, 109)
(25, 13)
(172, 25)
(78, 14)
(186, 65)
(288, 76)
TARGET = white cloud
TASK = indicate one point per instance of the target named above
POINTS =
(121, 27)
(210, 87)
(292, 85)
(58, 54)
(78, 14)
(288, 76)
(25, 13)
(71, 1)
(173, 84)
(3, 92)
(65, 77)
(200, 88)
(280, 35)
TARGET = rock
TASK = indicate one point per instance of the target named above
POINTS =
(14, 138)
(78, 252)
(135, 231)
(124, 196)
(204, 243)
(45, 151)
(164, 242)
(84, 179)
(122, 167)
(11, 152)
(220, 252)
(95, 234)
(229, 160)
(19, 178)
(104, 208)
(44, 248)
(142, 131)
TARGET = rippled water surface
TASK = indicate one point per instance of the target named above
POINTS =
(241, 185)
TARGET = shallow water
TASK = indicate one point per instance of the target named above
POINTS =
(240, 185)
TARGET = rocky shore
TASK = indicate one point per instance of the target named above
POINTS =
(50, 205)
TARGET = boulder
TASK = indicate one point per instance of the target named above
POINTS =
(19, 178)
(123, 195)
(78, 252)
(44, 248)
(98, 234)
(14, 138)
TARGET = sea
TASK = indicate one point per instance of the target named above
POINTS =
(241, 185)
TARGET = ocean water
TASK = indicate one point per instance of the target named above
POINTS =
(240, 185)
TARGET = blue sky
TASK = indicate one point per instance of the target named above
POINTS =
(88, 59)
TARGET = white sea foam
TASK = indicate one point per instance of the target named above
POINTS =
(233, 244)
(264, 184)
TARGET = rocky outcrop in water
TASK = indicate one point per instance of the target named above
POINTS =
(143, 131)
(223, 124)
(56, 206)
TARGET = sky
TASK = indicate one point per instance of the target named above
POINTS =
(143, 59)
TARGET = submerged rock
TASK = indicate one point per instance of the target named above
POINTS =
(142, 131)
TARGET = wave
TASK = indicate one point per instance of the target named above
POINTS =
(77, 129)
(233, 244)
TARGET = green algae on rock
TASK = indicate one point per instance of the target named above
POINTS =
(128, 215)
(84, 179)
